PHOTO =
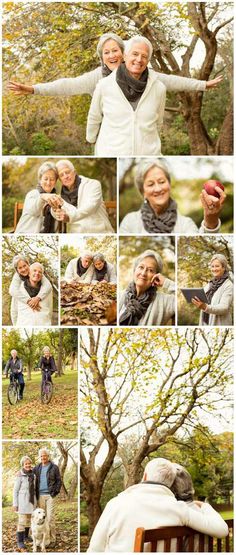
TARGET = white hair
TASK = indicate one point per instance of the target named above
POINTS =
(46, 348)
(222, 259)
(46, 167)
(99, 256)
(104, 38)
(152, 254)
(139, 39)
(18, 258)
(144, 166)
(63, 163)
(13, 351)
(25, 458)
(44, 450)
(160, 471)
(89, 254)
(38, 264)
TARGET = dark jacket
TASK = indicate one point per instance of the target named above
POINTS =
(48, 363)
(14, 367)
(53, 479)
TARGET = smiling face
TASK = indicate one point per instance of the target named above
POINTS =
(144, 273)
(156, 189)
(35, 273)
(99, 264)
(46, 353)
(27, 465)
(48, 181)
(23, 268)
(67, 177)
(217, 269)
(86, 261)
(112, 55)
(136, 59)
(44, 458)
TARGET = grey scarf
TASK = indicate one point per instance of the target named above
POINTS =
(48, 220)
(32, 291)
(214, 285)
(132, 88)
(159, 223)
(135, 307)
(71, 196)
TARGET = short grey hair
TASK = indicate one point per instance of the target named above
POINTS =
(99, 256)
(13, 351)
(38, 264)
(144, 166)
(46, 348)
(18, 258)
(182, 486)
(222, 259)
(44, 450)
(153, 254)
(160, 471)
(139, 39)
(87, 253)
(104, 38)
(25, 458)
(45, 167)
(66, 163)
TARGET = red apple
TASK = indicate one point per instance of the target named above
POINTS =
(210, 185)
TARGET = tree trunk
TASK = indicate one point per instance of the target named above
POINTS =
(74, 484)
(200, 142)
(60, 350)
(225, 143)
(94, 507)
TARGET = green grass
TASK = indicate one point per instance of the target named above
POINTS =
(227, 515)
(31, 418)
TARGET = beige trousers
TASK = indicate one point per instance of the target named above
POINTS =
(24, 521)
(48, 503)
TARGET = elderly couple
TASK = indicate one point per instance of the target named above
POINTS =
(31, 292)
(163, 498)
(90, 268)
(35, 487)
(79, 205)
(128, 105)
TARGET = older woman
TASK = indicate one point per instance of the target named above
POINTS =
(103, 270)
(22, 266)
(47, 362)
(24, 500)
(219, 291)
(80, 269)
(28, 316)
(110, 50)
(142, 303)
(81, 202)
(36, 216)
(127, 107)
(159, 213)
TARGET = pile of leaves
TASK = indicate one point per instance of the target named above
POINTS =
(85, 304)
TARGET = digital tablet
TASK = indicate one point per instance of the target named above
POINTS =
(194, 292)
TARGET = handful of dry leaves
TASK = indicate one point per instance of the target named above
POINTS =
(84, 304)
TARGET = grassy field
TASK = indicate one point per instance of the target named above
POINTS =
(66, 525)
(30, 418)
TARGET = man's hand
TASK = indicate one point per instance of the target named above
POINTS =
(213, 83)
(61, 216)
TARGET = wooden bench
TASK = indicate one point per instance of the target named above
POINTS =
(182, 539)
(109, 204)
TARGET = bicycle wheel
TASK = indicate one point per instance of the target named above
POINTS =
(12, 394)
(46, 392)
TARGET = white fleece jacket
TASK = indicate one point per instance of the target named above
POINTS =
(132, 224)
(17, 292)
(221, 307)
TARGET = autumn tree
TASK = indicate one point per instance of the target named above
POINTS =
(156, 382)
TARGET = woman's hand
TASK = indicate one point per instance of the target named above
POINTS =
(213, 83)
(158, 280)
(61, 216)
(34, 303)
(53, 200)
(199, 304)
(19, 89)
(212, 207)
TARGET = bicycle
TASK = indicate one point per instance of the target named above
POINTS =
(47, 389)
(13, 391)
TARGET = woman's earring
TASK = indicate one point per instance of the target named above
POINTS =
(145, 201)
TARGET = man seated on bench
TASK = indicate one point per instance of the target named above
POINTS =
(151, 504)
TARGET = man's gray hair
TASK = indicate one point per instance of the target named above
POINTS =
(104, 38)
(144, 166)
(13, 351)
(62, 163)
(18, 258)
(182, 486)
(46, 348)
(222, 259)
(139, 39)
(160, 471)
(25, 458)
(99, 256)
(87, 253)
(152, 254)
(38, 264)
(45, 167)
(44, 450)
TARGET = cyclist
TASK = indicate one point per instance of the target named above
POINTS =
(15, 366)
(47, 363)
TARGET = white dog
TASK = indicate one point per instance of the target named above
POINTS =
(40, 529)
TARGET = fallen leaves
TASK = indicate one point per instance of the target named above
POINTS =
(84, 304)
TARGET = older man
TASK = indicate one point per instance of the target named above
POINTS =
(80, 269)
(127, 108)
(82, 206)
(150, 504)
(15, 366)
(48, 485)
(26, 315)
